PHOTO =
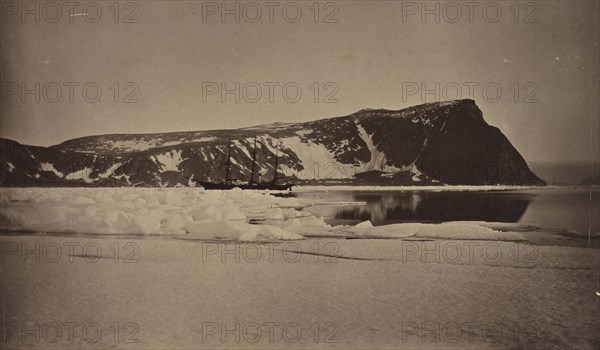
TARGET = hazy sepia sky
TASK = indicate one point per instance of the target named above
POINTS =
(369, 55)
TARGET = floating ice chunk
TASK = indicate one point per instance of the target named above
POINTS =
(218, 213)
(267, 232)
(274, 214)
(147, 221)
(213, 213)
(307, 226)
(293, 214)
(20, 197)
(388, 231)
(364, 225)
(22, 218)
(502, 226)
(453, 230)
(12, 218)
(448, 230)
(173, 224)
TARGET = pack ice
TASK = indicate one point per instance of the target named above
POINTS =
(192, 213)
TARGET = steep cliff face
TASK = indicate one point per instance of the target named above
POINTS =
(435, 143)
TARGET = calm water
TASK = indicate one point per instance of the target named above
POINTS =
(575, 209)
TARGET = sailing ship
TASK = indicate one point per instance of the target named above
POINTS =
(252, 184)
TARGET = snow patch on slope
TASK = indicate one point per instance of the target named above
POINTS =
(130, 145)
(82, 174)
(304, 132)
(318, 162)
(149, 143)
(50, 167)
(378, 159)
(110, 171)
(169, 161)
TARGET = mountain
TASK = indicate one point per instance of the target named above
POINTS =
(434, 143)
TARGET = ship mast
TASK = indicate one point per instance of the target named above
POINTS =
(253, 162)
(276, 164)
(228, 168)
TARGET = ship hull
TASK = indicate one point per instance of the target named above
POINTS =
(259, 186)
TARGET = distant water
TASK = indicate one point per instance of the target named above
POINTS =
(574, 209)
(564, 173)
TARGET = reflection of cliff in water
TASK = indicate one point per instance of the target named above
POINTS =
(382, 208)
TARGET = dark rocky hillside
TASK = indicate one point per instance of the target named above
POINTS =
(431, 144)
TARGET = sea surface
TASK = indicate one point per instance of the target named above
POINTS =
(576, 209)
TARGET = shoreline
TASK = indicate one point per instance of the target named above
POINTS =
(308, 188)
(441, 188)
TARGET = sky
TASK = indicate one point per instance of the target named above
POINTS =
(159, 66)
